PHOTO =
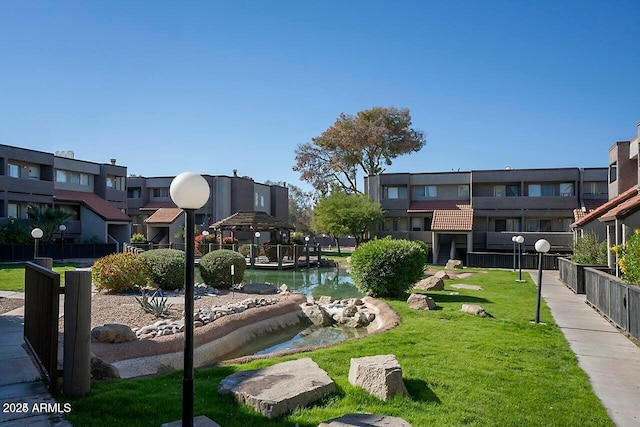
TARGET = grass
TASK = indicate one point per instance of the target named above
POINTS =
(340, 258)
(459, 370)
(12, 275)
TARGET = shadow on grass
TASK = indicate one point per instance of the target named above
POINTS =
(420, 391)
(457, 298)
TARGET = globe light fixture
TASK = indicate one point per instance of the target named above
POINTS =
(542, 247)
(37, 234)
(519, 240)
(189, 191)
(513, 239)
(62, 229)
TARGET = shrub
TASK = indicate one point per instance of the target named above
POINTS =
(245, 250)
(229, 240)
(166, 268)
(15, 232)
(424, 247)
(202, 242)
(588, 250)
(138, 238)
(386, 267)
(215, 268)
(120, 272)
(629, 258)
(155, 305)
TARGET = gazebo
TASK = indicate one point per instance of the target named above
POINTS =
(250, 221)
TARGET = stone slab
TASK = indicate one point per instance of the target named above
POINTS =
(279, 389)
(365, 420)
(259, 288)
(380, 376)
(465, 286)
(199, 421)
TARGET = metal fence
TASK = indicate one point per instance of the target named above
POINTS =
(14, 253)
(505, 260)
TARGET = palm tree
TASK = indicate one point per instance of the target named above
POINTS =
(48, 219)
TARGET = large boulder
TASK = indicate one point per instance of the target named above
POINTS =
(379, 375)
(112, 333)
(473, 309)
(365, 420)
(453, 264)
(441, 274)
(316, 314)
(421, 302)
(279, 389)
(432, 283)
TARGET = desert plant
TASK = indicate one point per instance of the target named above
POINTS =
(120, 272)
(387, 267)
(166, 268)
(138, 238)
(588, 250)
(48, 219)
(155, 305)
(215, 268)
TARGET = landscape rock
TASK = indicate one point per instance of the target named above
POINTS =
(379, 375)
(465, 286)
(279, 389)
(284, 288)
(259, 288)
(432, 283)
(101, 370)
(473, 309)
(453, 264)
(112, 333)
(324, 299)
(421, 302)
(365, 420)
(441, 274)
(316, 314)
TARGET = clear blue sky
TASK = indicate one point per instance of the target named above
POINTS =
(168, 86)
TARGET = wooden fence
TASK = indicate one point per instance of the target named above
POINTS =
(614, 299)
(505, 260)
(572, 274)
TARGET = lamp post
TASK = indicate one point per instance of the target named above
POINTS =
(36, 233)
(257, 253)
(62, 229)
(189, 191)
(542, 247)
(519, 241)
(513, 239)
(205, 233)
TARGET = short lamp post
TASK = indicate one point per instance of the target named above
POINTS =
(62, 229)
(542, 247)
(189, 191)
(519, 241)
(205, 233)
(257, 252)
(513, 239)
(36, 233)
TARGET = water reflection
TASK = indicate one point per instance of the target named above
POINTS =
(315, 336)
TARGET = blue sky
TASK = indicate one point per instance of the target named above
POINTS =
(210, 86)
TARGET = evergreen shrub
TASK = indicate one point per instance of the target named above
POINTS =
(215, 268)
(166, 268)
(120, 272)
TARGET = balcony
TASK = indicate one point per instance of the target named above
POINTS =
(522, 202)
(28, 186)
(560, 241)
(425, 236)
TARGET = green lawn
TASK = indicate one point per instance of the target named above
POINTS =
(340, 258)
(12, 275)
(459, 370)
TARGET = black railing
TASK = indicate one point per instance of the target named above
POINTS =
(505, 260)
(14, 253)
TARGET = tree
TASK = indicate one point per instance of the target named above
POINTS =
(48, 219)
(340, 214)
(367, 142)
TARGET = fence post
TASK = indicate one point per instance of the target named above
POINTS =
(295, 257)
(319, 249)
(44, 262)
(307, 254)
(76, 380)
(252, 259)
(279, 256)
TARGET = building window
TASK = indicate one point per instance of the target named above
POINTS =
(595, 187)
(12, 210)
(566, 189)
(160, 192)
(613, 172)
(539, 225)
(541, 190)
(513, 190)
(116, 182)
(34, 171)
(463, 190)
(507, 224)
(499, 190)
(201, 219)
(14, 170)
(395, 193)
(258, 200)
(75, 178)
(84, 179)
(17, 210)
(134, 192)
(395, 224)
(425, 191)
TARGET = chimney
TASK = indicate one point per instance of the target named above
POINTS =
(235, 172)
(638, 124)
(113, 161)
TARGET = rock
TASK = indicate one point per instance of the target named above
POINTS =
(360, 320)
(284, 288)
(145, 336)
(432, 283)
(279, 389)
(259, 288)
(453, 264)
(113, 333)
(379, 375)
(316, 314)
(349, 311)
(365, 420)
(421, 302)
(465, 286)
(358, 302)
(441, 274)
(147, 330)
(101, 370)
(473, 309)
(325, 299)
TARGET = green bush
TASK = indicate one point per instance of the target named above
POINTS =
(588, 250)
(245, 250)
(138, 238)
(166, 268)
(15, 232)
(215, 268)
(424, 247)
(387, 267)
(629, 258)
(120, 272)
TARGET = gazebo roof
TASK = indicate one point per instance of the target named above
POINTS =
(251, 221)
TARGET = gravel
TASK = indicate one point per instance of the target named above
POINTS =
(9, 304)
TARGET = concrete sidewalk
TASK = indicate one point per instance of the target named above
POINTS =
(21, 386)
(611, 360)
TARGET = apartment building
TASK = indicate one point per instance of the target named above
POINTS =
(155, 216)
(94, 192)
(481, 210)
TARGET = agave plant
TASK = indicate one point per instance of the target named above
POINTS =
(155, 304)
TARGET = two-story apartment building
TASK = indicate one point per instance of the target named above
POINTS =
(156, 216)
(94, 192)
(481, 210)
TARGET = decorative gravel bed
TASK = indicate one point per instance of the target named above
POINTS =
(9, 304)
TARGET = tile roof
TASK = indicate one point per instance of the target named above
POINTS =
(452, 220)
(589, 206)
(152, 206)
(622, 210)
(605, 207)
(432, 205)
(164, 216)
(106, 210)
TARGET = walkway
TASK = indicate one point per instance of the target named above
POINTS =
(19, 378)
(611, 361)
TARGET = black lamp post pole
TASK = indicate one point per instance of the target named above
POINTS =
(187, 382)
(514, 255)
(539, 287)
(520, 262)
